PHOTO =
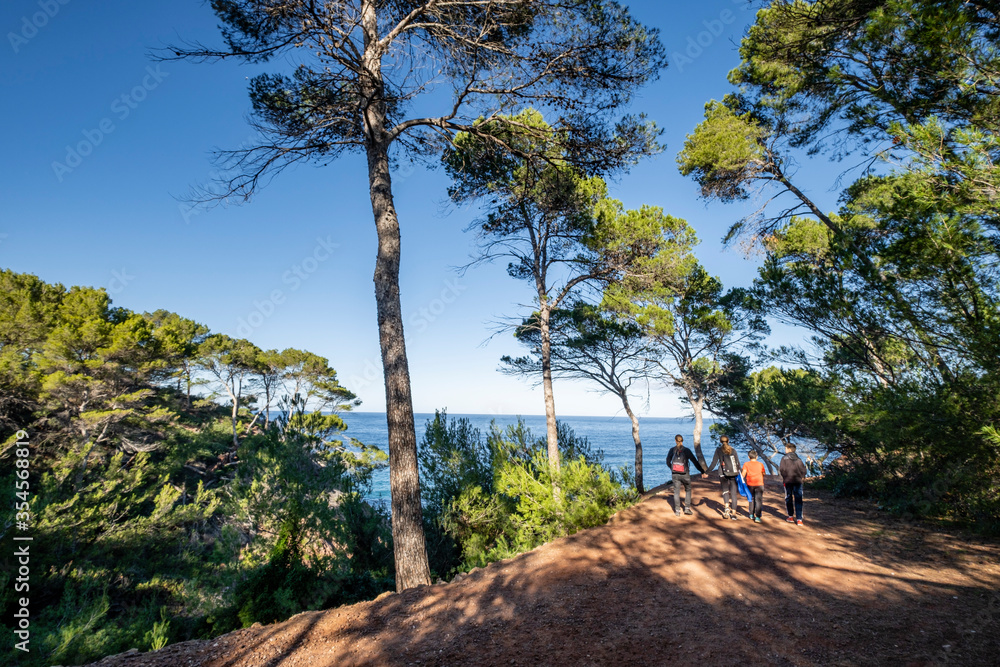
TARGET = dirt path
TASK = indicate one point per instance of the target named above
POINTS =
(851, 587)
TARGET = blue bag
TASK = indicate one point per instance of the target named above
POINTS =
(743, 488)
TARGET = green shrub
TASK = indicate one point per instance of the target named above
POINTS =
(159, 636)
(452, 458)
(495, 498)
(921, 452)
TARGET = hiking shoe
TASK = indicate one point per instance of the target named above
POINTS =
(725, 513)
(756, 519)
(677, 512)
(734, 516)
(799, 522)
(790, 519)
(687, 510)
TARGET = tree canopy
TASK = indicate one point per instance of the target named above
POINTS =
(207, 523)
(362, 73)
(899, 284)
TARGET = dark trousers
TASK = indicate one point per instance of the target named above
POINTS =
(686, 481)
(793, 499)
(730, 491)
(757, 506)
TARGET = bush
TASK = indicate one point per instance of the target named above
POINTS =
(499, 499)
(452, 457)
(919, 451)
(290, 583)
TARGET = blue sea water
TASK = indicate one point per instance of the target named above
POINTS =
(611, 434)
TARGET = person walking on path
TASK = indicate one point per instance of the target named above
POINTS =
(793, 474)
(679, 460)
(729, 471)
(754, 472)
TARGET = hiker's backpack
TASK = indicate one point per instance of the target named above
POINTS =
(678, 460)
(730, 464)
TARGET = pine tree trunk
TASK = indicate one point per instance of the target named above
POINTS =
(410, 550)
(236, 411)
(551, 430)
(697, 405)
(638, 443)
(412, 568)
(876, 278)
(267, 409)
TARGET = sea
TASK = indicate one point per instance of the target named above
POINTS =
(613, 435)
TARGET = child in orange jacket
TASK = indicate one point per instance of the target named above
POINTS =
(753, 471)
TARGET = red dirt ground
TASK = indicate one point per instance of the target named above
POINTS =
(851, 587)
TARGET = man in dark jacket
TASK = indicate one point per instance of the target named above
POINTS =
(793, 473)
(679, 460)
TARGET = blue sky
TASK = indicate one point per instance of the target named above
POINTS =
(293, 267)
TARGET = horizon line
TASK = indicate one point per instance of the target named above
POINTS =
(517, 414)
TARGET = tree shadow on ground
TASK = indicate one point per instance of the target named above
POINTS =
(650, 588)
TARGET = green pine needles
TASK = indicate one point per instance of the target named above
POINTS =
(492, 498)
(160, 514)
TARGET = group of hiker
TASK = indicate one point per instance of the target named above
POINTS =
(736, 480)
